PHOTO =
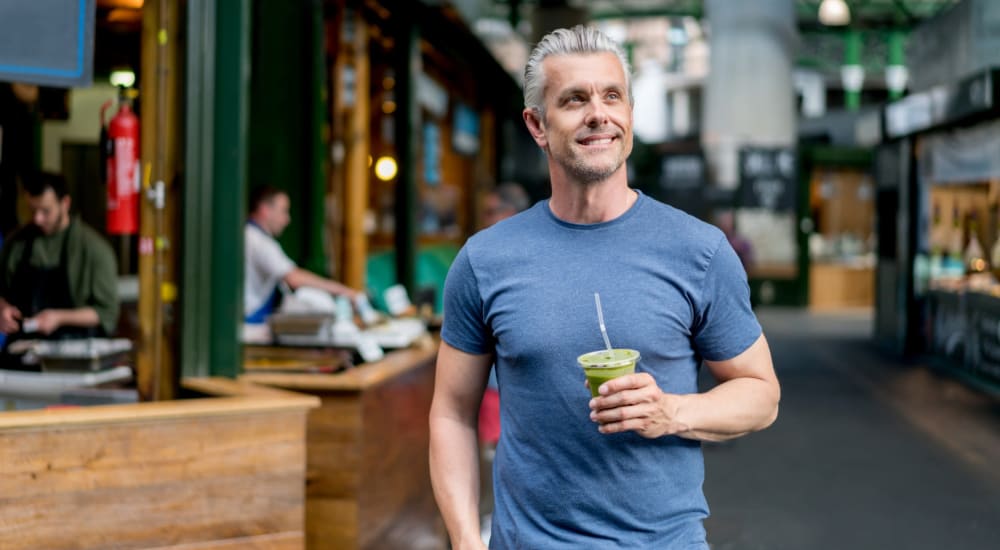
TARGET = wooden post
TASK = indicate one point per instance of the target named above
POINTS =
(156, 368)
(356, 146)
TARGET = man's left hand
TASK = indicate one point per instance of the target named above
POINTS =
(635, 403)
(47, 321)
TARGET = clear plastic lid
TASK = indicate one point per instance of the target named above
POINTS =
(608, 359)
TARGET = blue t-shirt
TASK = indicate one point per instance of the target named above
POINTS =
(672, 288)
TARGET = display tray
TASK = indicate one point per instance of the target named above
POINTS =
(84, 355)
(391, 334)
(300, 324)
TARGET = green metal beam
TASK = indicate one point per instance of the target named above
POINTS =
(316, 259)
(407, 67)
(196, 215)
(214, 193)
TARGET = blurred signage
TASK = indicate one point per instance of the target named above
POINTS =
(767, 178)
(682, 172)
(465, 134)
(942, 104)
(432, 96)
(432, 153)
(47, 42)
(682, 182)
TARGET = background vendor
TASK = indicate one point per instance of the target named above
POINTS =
(58, 276)
(267, 265)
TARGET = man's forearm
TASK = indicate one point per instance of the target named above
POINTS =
(79, 317)
(299, 277)
(454, 462)
(731, 409)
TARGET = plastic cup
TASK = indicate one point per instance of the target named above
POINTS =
(603, 365)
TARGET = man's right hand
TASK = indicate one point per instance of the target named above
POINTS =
(10, 318)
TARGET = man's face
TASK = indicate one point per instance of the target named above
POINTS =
(276, 214)
(587, 129)
(48, 212)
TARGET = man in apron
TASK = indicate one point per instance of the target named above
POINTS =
(57, 275)
(266, 264)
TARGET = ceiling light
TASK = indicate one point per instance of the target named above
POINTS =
(834, 13)
(385, 168)
(124, 78)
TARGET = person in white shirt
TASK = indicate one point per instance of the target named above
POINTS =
(266, 264)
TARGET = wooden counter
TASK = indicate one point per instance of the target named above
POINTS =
(368, 481)
(837, 286)
(208, 473)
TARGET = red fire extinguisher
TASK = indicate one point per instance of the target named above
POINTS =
(121, 147)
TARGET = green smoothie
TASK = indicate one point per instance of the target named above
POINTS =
(603, 365)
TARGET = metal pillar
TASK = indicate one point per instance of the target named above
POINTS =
(407, 68)
(852, 72)
(214, 193)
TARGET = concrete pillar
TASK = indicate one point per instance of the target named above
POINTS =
(749, 94)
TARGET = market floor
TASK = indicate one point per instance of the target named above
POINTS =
(868, 452)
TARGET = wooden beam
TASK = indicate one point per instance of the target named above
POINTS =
(356, 149)
(156, 365)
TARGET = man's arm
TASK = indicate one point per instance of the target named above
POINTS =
(744, 401)
(48, 320)
(454, 457)
(299, 277)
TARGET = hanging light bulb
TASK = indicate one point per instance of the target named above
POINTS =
(834, 13)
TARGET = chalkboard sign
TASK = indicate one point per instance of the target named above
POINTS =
(767, 178)
(682, 181)
(47, 42)
(949, 325)
(983, 355)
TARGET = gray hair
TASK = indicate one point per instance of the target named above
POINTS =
(512, 195)
(578, 40)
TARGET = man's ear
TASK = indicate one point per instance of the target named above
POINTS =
(535, 126)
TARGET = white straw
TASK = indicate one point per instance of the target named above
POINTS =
(600, 320)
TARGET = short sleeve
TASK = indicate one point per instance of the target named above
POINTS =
(104, 290)
(464, 324)
(269, 259)
(725, 325)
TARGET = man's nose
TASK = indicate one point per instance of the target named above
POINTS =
(38, 218)
(597, 114)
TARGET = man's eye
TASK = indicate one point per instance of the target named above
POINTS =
(614, 96)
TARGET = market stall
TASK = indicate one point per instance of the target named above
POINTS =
(367, 481)
(223, 468)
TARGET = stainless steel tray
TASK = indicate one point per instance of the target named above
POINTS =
(89, 354)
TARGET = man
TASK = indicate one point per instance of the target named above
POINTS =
(624, 469)
(267, 265)
(58, 276)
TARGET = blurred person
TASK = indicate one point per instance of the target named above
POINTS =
(266, 264)
(726, 221)
(503, 201)
(624, 469)
(58, 276)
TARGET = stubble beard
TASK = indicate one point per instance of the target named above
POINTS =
(590, 173)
